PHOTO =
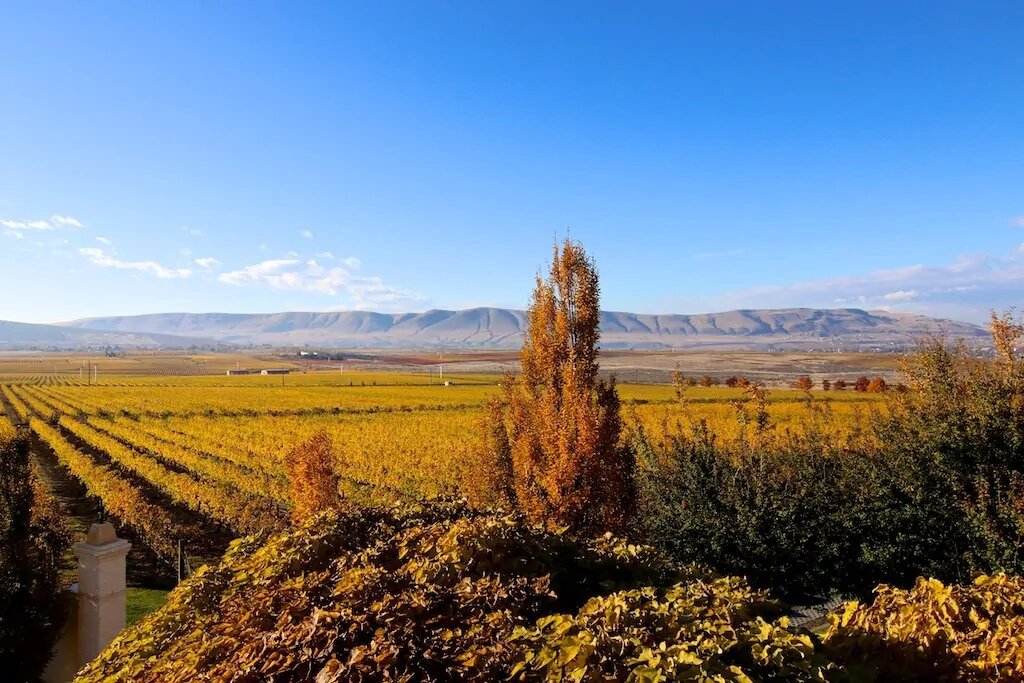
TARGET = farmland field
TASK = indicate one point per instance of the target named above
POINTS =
(177, 455)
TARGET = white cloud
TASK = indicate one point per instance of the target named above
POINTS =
(104, 240)
(309, 276)
(265, 271)
(901, 295)
(186, 252)
(291, 254)
(66, 221)
(54, 222)
(16, 234)
(352, 262)
(106, 259)
(194, 232)
(324, 255)
(207, 262)
(307, 234)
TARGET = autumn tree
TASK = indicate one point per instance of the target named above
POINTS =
(839, 385)
(708, 381)
(877, 386)
(861, 384)
(804, 383)
(826, 385)
(732, 382)
(557, 423)
(314, 483)
(1006, 332)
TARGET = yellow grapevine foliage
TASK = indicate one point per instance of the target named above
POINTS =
(703, 630)
(934, 632)
(439, 593)
(7, 431)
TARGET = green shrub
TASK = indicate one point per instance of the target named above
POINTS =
(789, 517)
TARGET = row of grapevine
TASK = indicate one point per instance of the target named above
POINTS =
(33, 404)
(52, 400)
(119, 496)
(254, 482)
(7, 431)
(19, 406)
(242, 513)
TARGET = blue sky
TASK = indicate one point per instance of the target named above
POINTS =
(258, 157)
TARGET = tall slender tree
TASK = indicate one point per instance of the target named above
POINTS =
(557, 426)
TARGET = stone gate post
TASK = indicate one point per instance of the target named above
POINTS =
(101, 589)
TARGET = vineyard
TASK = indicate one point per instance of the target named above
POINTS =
(214, 445)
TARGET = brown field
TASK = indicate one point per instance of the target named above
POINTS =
(637, 367)
(656, 367)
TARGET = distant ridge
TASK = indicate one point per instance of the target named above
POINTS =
(19, 335)
(500, 328)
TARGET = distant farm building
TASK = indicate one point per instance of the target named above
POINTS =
(243, 371)
(275, 371)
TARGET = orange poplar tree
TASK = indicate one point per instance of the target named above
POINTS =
(555, 436)
(314, 483)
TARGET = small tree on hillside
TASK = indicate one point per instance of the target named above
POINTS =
(839, 385)
(861, 384)
(804, 383)
(314, 483)
(877, 386)
(826, 385)
(557, 423)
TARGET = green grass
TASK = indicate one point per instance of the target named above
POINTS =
(142, 601)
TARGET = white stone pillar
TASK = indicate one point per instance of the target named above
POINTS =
(101, 589)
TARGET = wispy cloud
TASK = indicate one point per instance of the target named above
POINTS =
(1017, 221)
(968, 287)
(55, 222)
(363, 291)
(194, 232)
(308, 234)
(108, 259)
(104, 240)
(207, 262)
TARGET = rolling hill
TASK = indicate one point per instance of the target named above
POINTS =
(790, 328)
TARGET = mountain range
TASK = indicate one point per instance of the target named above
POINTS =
(499, 328)
(16, 335)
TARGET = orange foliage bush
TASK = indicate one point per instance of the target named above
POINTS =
(314, 483)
